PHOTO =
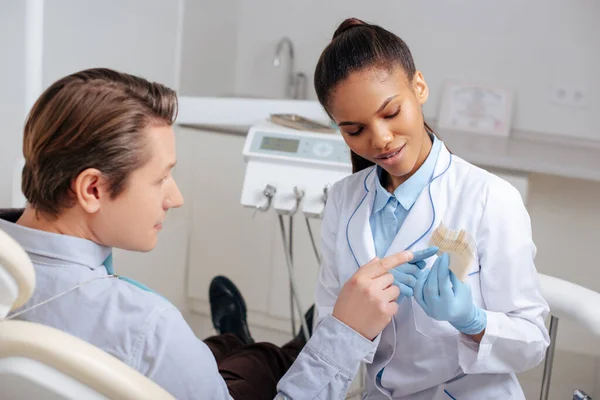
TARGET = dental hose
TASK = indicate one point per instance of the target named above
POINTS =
(294, 289)
(312, 241)
(291, 242)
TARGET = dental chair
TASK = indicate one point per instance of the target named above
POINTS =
(40, 362)
(569, 301)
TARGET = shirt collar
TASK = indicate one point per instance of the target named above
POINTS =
(56, 249)
(408, 192)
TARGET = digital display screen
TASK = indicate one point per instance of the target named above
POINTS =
(279, 144)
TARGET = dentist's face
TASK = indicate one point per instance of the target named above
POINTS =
(379, 114)
(133, 219)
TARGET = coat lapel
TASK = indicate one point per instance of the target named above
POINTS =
(427, 211)
(358, 230)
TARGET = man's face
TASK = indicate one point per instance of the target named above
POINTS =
(132, 220)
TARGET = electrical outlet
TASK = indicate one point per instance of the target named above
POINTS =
(559, 95)
(569, 95)
(580, 97)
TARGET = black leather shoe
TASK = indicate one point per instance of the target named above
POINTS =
(308, 317)
(228, 309)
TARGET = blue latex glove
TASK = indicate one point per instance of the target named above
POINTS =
(406, 275)
(445, 298)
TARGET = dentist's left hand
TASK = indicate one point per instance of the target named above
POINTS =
(445, 298)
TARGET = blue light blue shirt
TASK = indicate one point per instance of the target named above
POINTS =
(149, 334)
(138, 327)
(390, 210)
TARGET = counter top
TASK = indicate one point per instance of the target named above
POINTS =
(529, 153)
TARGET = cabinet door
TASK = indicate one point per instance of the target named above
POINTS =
(224, 238)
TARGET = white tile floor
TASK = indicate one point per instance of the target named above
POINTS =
(571, 370)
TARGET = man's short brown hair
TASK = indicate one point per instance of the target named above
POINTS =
(91, 119)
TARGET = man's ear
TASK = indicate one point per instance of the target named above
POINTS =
(90, 187)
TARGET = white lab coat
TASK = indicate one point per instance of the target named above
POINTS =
(422, 356)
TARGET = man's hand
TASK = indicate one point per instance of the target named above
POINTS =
(367, 302)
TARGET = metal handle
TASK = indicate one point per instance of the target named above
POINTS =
(268, 192)
(299, 194)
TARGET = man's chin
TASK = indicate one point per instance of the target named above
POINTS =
(142, 247)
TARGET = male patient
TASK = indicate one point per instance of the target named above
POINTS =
(99, 148)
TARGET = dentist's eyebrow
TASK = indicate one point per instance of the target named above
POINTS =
(383, 105)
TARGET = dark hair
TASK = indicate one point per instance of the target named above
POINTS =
(91, 119)
(355, 46)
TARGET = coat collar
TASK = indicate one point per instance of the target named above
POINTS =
(417, 225)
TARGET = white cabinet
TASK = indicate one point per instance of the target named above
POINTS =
(225, 239)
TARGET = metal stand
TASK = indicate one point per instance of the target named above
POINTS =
(549, 359)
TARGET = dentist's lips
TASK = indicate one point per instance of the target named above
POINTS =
(391, 157)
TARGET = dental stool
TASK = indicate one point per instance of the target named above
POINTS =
(40, 362)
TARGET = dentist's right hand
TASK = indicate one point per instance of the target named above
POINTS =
(367, 301)
(406, 275)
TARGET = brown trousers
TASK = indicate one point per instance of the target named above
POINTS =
(251, 372)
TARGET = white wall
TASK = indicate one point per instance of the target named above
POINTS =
(526, 46)
(209, 47)
(134, 36)
(12, 95)
(565, 217)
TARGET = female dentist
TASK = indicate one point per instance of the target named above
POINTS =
(450, 340)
